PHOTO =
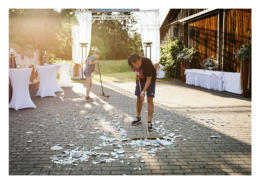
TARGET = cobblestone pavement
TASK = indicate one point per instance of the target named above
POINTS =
(65, 135)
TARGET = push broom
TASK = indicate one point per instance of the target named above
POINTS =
(102, 94)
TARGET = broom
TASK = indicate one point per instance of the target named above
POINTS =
(102, 94)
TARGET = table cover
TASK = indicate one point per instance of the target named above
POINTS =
(48, 80)
(64, 80)
(20, 78)
(217, 80)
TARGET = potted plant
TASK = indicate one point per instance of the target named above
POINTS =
(211, 63)
(185, 57)
(244, 55)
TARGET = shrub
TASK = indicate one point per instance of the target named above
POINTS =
(169, 51)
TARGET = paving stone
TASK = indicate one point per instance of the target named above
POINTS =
(197, 155)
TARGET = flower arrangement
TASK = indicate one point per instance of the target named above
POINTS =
(244, 53)
(186, 55)
(211, 63)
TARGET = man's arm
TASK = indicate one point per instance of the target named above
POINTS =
(92, 62)
(148, 82)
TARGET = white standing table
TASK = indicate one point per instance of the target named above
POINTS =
(48, 80)
(20, 78)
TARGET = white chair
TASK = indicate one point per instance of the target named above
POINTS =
(20, 79)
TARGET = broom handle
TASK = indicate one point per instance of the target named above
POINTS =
(100, 79)
(145, 119)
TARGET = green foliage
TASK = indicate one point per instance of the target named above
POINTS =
(63, 36)
(244, 53)
(42, 29)
(114, 66)
(115, 70)
(169, 52)
(211, 63)
(116, 39)
(47, 29)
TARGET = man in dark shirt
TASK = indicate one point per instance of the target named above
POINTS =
(145, 71)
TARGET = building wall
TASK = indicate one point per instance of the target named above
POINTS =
(173, 15)
(203, 36)
(220, 34)
(237, 31)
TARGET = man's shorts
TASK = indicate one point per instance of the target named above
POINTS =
(87, 74)
(149, 92)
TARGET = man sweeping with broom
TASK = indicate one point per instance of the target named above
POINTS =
(146, 77)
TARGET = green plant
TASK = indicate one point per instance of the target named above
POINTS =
(211, 63)
(244, 53)
(169, 51)
(186, 55)
(52, 58)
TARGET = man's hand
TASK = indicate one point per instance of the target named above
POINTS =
(142, 95)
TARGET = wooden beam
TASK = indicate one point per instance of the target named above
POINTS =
(220, 40)
(197, 15)
(223, 39)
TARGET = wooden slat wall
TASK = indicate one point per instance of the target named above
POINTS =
(237, 32)
(203, 36)
(173, 15)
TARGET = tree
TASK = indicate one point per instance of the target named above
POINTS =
(47, 29)
(43, 29)
(113, 38)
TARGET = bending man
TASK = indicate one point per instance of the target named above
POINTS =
(145, 71)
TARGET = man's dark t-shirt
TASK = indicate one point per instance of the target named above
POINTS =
(147, 69)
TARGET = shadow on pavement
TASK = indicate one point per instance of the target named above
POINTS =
(194, 152)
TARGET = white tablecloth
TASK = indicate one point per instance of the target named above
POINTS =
(232, 82)
(64, 80)
(57, 87)
(48, 80)
(217, 80)
(20, 79)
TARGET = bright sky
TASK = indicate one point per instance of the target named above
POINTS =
(162, 14)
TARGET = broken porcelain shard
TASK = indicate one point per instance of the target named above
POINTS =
(120, 151)
(215, 136)
(137, 155)
(56, 148)
(76, 154)
(95, 162)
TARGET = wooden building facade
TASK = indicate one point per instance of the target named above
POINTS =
(213, 32)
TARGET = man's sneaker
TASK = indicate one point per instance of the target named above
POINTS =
(89, 99)
(150, 126)
(137, 121)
